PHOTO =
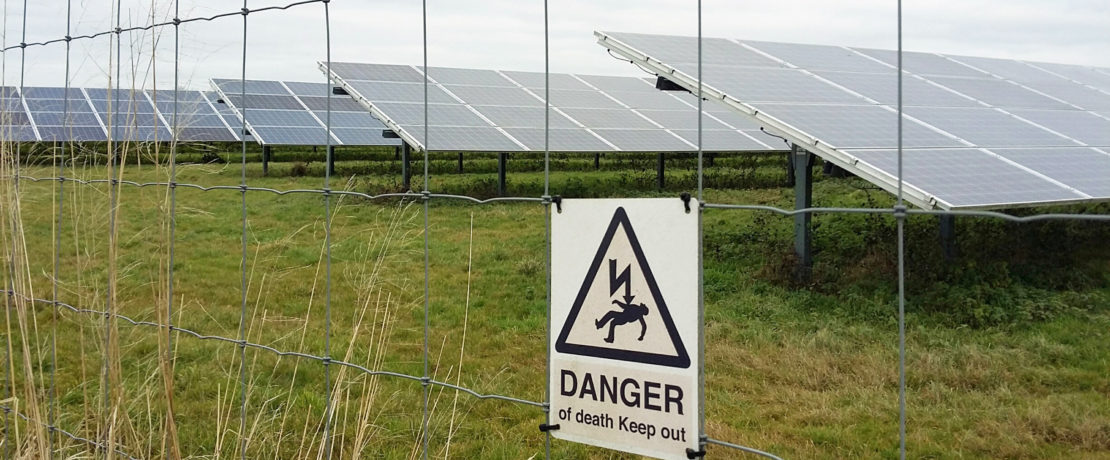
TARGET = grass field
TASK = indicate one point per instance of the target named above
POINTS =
(1007, 343)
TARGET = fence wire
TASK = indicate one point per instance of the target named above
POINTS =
(164, 322)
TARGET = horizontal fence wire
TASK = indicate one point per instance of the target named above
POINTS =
(894, 211)
(175, 22)
(99, 447)
(272, 350)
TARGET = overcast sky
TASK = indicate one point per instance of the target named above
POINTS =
(508, 34)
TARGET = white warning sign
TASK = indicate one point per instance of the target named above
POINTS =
(625, 325)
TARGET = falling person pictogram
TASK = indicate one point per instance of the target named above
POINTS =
(629, 311)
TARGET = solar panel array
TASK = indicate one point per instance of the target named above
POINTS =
(978, 132)
(49, 114)
(295, 113)
(503, 111)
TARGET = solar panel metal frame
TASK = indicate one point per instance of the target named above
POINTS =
(844, 159)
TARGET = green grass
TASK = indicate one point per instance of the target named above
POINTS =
(1007, 352)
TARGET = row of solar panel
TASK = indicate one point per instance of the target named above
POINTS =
(487, 110)
(978, 132)
(89, 114)
(296, 113)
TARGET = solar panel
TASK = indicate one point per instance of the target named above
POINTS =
(857, 126)
(477, 139)
(376, 72)
(609, 118)
(980, 132)
(561, 139)
(883, 88)
(488, 104)
(643, 140)
(723, 140)
(1084, 127)
(967, 177)
(205, 134)
(535, 80)
(1084, 169)
(987, 127)
(296, 115)
(999, 93)
(922, 63)
(819, 57)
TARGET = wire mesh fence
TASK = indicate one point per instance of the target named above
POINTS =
(33, 421)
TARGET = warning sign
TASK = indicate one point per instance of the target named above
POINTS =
(626, 325)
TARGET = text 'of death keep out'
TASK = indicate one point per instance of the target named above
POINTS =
(625, 321)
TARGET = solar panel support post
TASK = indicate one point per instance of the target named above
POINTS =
(331, 159)
(502, 163)
(405, 166)
(803, 198)
(709, 156)
(597, 162)
(948, 236)
(460, 163)
(660, 182)
(265, 160)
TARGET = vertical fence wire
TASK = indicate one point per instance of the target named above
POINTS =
(900, 216)
(702, 435)
(243, 256)
(171, 447)
(427, 267)
(113, 198)
(327, 234)
(67, 146)
(547, 223)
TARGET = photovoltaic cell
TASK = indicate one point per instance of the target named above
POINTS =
(923, 63)
(260, 87)
(1085, 127)
(280, 118)
(376, 72)
(644, 140)
(967, 177)
(1090, 76)
(987, 127)
(535, 80)
(564, 98)
(360, 136)
(1080, 96)
(205, 134)
(1084, 169)
(477, 139)
(856, 126)
(682, 119)
(473, 77)
(522, 117)
(338, 104)
(883, 88)
(562, 140)
(438, 114)
(608, 118)
(610, 83)
(351, 120)
(492, 95)
(999, 93)
(291, 135)
(684, 50)
(719, 140)
(399, 92)
(819, 57)
(649, 100)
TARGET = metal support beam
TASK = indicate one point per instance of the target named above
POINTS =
(502, 162)
(802, 161)
(405, 173)
(265, 160)
(331, 160)
(709, 157)
(660, 182)
(597, 162)
(948, 236)
(460, 162)
(790, 179)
